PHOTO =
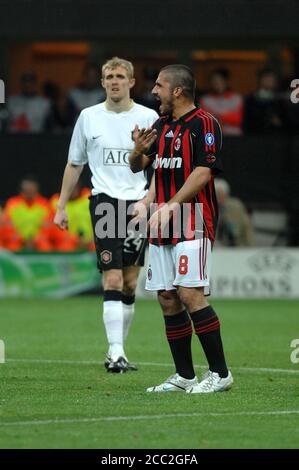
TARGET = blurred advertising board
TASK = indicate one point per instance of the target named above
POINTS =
(54, 275)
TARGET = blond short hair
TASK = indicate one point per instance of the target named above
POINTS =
(117, 62)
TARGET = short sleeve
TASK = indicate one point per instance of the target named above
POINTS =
(207, 143)
(77, 150)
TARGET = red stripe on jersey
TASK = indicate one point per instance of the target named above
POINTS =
(206, 130)
(213, 132)
(173, 191)
(161, 195)
(190, 222)
(210, 127)
(172, 180)
(211, 186)
(196, 112)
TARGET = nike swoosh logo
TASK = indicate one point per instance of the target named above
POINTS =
(96, 136)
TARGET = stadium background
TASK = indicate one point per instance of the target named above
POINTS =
(55, 40)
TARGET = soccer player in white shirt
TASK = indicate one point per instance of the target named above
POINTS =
(102, 137)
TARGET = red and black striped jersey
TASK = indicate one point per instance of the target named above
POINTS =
(192, 141)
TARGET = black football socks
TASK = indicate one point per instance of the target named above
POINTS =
(179, 335)
(207, 328)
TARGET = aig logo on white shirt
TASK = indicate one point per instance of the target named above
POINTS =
(116, 156)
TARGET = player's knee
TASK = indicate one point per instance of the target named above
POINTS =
(130, 286)
(192, 298)
(169, 301)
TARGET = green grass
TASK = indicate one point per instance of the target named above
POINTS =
(256, 334)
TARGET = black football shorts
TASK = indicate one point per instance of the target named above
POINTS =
(114, 252)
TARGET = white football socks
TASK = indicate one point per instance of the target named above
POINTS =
(128, 311)
(114, 323)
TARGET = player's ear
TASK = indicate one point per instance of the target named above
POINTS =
(103, 83)
(177, 91)
(132, 82)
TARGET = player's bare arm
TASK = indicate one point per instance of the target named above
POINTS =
(143, 138)
(141, 207)
(196, 181)
(70, 178)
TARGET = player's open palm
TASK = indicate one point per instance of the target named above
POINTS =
(144, 138)
(61, 219)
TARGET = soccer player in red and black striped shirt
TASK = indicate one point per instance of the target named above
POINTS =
(183, 147)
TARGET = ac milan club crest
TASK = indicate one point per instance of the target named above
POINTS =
(149, 274)
(211, 158)
(177, 144)
(106, 256)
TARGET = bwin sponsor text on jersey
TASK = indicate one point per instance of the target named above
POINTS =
(168, 162)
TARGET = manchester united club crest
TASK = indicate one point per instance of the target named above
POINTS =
(106, 256)
(177, 144)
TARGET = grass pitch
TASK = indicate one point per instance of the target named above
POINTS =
(55, 392)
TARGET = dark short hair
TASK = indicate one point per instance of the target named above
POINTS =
(28, 76)
(181, 76)
(29, 177)
(222, 72)
(266, 71)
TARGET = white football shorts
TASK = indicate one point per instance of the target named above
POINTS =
(186, 264)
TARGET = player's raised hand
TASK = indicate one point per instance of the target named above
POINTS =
(144, 138)
(61, 219)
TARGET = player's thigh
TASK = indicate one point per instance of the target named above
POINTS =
(113, 279)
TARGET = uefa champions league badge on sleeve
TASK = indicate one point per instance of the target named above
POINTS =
(210, 139)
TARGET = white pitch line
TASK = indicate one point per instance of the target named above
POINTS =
(153, 364)
(145, 417)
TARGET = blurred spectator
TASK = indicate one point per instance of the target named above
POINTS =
(235, 228)
(223, 103)
(52, 92)
(146, 98)
(28, 111)
(79, 235)
(24, 218)
(87, 94)
(264, 109)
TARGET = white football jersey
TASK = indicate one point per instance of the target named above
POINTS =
(103, 139)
